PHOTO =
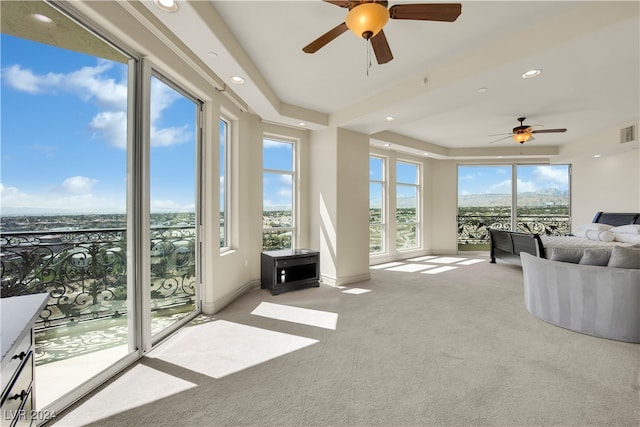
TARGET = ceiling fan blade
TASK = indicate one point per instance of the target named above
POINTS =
(321, 41)
(501, 139)
(340, 3)
(381, 48)
(548, 131)
(447, 12)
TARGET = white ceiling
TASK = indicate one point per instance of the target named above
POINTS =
(589, 52)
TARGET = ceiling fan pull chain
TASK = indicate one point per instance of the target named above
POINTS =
(368, 55)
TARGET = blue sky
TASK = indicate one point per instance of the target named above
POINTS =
(64, 134)
(497, 179)
(277, 186)
(480, 179)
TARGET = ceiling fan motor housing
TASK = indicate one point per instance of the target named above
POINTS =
(367, 19)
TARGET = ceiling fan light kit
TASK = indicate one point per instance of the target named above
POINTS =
(366, 18)
(521, 137)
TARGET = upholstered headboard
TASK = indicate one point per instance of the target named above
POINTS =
(616, 219)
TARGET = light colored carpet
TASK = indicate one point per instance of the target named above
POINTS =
(454, 348)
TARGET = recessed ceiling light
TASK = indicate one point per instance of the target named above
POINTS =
(389, 118)
(482, 89)
(387, 145)
(237, 80)
(42, 18)
(532, 73)
(597, 155)
(167, 5)
(302, 124)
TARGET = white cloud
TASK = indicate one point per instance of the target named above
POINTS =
(526, 186)
(268, 143)
(558, 176)
(169, 136)
(16, 199)
(501, 187)
(286, 179)
(78, 185)
(111, 126)
(284, 193)
(91, 84)
(25, 80)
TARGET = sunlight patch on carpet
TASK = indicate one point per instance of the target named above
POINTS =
(356, 291)
(305, 316)
(422, 258)
(471, 261)
(220, 348)
(137, 387)
(411, 268)
(438, 270)
(385, 265)
(446, 260)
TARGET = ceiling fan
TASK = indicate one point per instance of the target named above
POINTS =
(524, 133)
(367, 17)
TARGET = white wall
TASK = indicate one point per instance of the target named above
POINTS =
(608, 183)
(339, 204)
(353, 207)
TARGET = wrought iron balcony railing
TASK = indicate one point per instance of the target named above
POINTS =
(85, 271)
(472, 229)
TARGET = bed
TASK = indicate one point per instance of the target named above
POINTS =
(507, 245)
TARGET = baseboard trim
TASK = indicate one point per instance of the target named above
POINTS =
(341, 281)
(220, 303)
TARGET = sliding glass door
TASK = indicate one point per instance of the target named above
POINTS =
(65, 217)
(525, 198)
(173, 195)
(94, 213)
(484, 200)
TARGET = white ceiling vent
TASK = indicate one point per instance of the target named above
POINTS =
(628, 134)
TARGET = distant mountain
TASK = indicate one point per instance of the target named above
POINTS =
(540, 198)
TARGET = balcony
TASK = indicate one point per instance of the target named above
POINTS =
(473, 234)
(85, 273)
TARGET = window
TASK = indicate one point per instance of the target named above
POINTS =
(376, 204)
(224, 183)
(526, 198)
(278, 201)
(542, 199)
(407, 202)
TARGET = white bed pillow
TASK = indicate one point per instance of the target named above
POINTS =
(622, 257)
(581, 230)
(603, 236)
(627, 238)
(627, 229)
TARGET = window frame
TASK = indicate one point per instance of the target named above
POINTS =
(225, 185)
(417, 186)
(383, 205)
(293, 174)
